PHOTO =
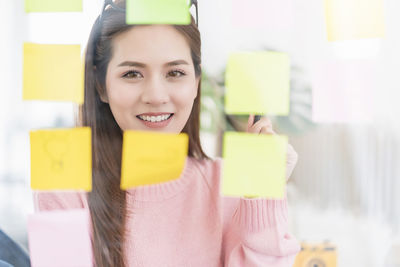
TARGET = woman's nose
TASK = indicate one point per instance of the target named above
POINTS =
(155, 92)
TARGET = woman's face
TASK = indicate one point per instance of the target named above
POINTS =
(150, 82)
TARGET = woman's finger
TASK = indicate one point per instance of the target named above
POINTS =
(250, 122)
(263, 126)
(263, 121)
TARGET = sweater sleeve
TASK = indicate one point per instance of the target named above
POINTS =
(47, 201)
(257, 235)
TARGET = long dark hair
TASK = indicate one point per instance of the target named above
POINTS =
(107, 202)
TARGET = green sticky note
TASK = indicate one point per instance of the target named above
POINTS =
(257, 83)
(254, 165)
(61, 159)
(53, 72)
(53, 6)
(157, 12)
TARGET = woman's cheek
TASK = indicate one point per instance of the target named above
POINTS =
(124, 96)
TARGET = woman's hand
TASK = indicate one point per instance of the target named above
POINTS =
(264, 126)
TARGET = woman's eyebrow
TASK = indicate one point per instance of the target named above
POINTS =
(142, 65)
(132, 64)
(176, 62)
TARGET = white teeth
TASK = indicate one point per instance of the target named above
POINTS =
(155, 118)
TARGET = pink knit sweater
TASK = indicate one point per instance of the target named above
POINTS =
(186, 222)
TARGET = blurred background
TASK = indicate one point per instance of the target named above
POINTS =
(345, 188)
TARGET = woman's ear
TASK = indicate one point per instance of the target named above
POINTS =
(102, 93)
(103, 97)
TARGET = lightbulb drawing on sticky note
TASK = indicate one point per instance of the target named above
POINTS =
(53, 6)
(61, 159)
(53, 72)
(254, 165)
(257, 83)
(157, 12)
(56, 147)
(151, 158)
(354, 19)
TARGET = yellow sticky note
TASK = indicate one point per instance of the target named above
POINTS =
(151, 158)
(61, 159)
(257, 83)
(53, 72)
(53, 6)
(354, 19)
(254, 165)
(157, 12)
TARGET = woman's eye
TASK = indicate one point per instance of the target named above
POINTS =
(132, 75)
(176, 73)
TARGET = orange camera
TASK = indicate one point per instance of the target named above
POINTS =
(316, 255)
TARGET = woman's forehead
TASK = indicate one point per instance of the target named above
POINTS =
(151, 43)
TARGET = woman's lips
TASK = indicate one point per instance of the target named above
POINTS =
(156, 124)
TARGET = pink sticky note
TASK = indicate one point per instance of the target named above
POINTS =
(273, 14)
(343, 91)
(60, 238)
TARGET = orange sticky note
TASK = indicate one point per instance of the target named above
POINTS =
(254, 165)
(53, 72)
(151, 158)
(61, 159)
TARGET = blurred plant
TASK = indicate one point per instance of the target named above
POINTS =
(212, 107)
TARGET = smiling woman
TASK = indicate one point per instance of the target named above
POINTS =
(129, 73)
(147, 78)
